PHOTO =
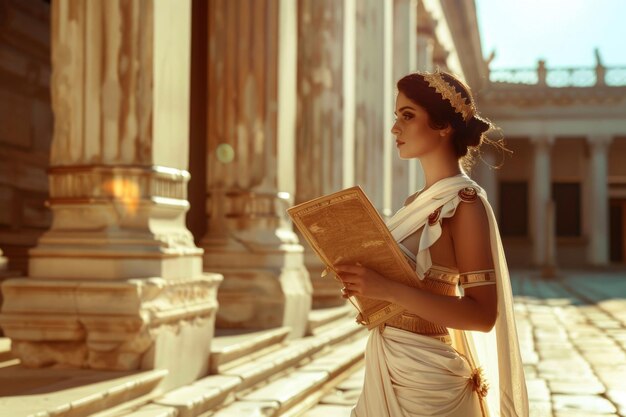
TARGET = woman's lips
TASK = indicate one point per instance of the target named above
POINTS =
(398, 143)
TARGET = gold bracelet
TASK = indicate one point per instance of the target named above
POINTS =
(485, 276)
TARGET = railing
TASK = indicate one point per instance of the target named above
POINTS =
(562, 77)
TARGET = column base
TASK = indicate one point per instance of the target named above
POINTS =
(124, 325)
(262, 290)
(326, 290)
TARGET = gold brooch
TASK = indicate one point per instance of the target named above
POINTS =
(468, 194)
(478, 382)
(434, 216)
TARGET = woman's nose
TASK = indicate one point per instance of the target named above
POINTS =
(394, 129)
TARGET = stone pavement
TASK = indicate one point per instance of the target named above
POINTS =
(572, 333)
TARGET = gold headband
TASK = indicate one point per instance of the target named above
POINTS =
(448, 92)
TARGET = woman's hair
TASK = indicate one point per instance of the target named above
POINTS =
(467, 136)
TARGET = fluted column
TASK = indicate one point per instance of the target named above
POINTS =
(117, 282)
(425, 38)
(251, 169)
(599, 195)
(372, 87)
(320, 124)
(541, 192)
(404, 62)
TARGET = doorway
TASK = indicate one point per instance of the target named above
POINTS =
(617, 230)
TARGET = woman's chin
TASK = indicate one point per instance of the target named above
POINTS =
(404, 155)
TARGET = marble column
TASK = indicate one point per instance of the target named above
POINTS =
(404, 62)
(541, 195)
(425, 38)
(116, 283)
(440, 57)
(598, 220)
(251, 168)
(320, 122)
(372, 87)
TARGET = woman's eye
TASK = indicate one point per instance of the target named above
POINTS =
(407, 116)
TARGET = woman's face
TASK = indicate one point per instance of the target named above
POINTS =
(414, 137)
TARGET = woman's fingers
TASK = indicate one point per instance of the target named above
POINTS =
(350, 269)
(347, 294)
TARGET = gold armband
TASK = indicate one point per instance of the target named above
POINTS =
(476, 278)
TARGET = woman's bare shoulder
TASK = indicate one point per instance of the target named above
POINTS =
(469, 228)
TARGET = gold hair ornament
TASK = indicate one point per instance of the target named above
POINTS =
(448, 92)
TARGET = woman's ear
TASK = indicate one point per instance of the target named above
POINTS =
(445, 131)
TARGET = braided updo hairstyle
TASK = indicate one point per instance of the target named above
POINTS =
(467, 137)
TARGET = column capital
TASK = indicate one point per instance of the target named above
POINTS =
(542, 141)
(599, 141)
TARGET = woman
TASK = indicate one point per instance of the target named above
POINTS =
(454, 351)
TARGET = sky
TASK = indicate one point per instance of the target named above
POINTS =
(563, 32)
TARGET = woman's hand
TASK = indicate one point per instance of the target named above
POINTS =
(359, 280)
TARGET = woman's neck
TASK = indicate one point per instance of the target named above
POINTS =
(436, 172)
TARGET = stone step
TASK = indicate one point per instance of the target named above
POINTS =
(295, 392)
(300, 390)
(267, 366)
(340, 330)
(152, 410)
(323, 316)
(201, 396)
(6, 356)
(268, 363)
(5, 349)
(71, 392)
(230, 348)
(329, 352)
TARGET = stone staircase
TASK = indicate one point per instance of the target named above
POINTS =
(253, 373)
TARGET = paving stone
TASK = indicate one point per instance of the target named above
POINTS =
(618, 397)
(530, 371)
(574, 386)
(339, 397)
(537, 390)
(598, 342)
(540, 409)
(605, 357)
(562, 354)
(612, 379)
(583, 403)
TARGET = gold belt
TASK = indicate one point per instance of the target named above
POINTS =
(445, 338)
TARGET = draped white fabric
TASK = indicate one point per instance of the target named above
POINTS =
(410, 375)
(407, 376)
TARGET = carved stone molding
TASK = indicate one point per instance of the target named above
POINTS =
(101, 325)
(82, 184)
